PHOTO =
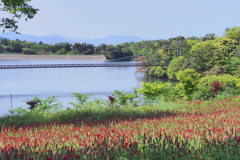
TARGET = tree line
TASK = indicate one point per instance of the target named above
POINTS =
(64, 48)
(208, 55)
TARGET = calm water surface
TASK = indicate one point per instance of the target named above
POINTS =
(25, 84)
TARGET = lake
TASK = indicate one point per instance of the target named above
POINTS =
(25, 84)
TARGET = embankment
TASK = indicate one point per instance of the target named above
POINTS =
(54, 57)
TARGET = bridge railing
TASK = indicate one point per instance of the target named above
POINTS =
(79, 65)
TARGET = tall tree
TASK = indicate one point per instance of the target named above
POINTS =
(202, 54)
(233, 33)
(225, 49)
(16, 10)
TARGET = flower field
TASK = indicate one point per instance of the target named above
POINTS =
(197, 130)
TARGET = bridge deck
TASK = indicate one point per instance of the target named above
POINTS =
(78, 65)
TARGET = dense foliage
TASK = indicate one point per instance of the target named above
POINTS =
(64, 48)
(208, 55)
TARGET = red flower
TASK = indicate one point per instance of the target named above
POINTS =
(112, 99)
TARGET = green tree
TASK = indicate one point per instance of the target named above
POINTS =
(233, 33)
(189, 80)
(84, 48)
(115, 52)
(178, 64)
(16, 9)
(61, 51)
(4, 41)
(160, 71)
(56, 47)
(225, 49)
(42, 48)
(234, 66)
(7, 48)
(28, 44)
(161, 56)
(202, 54)
(208, 37)
(16, 46)
(100, 49)
(73, 52)
(66, 46)
(28, 51)
(78, 47)
(177, 45)
(88, 49)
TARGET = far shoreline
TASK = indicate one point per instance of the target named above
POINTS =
(52, 57)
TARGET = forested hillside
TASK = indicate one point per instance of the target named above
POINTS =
(208, 55)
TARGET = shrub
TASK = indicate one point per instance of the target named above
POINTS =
(225, 79)
(188, 82)
(153, 90)
(127, 99)
(50, 104)
(217, 86)
(81, 99)
(217, 70)
(230, 84)
(203, 93)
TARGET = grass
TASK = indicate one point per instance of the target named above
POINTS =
(95, 112)
(168, 130)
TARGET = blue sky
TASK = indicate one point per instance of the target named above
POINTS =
(151, 19)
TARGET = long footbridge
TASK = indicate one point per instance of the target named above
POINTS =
(80, 65)
(114, 64)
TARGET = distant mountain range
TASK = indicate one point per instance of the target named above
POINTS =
(53, 39)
